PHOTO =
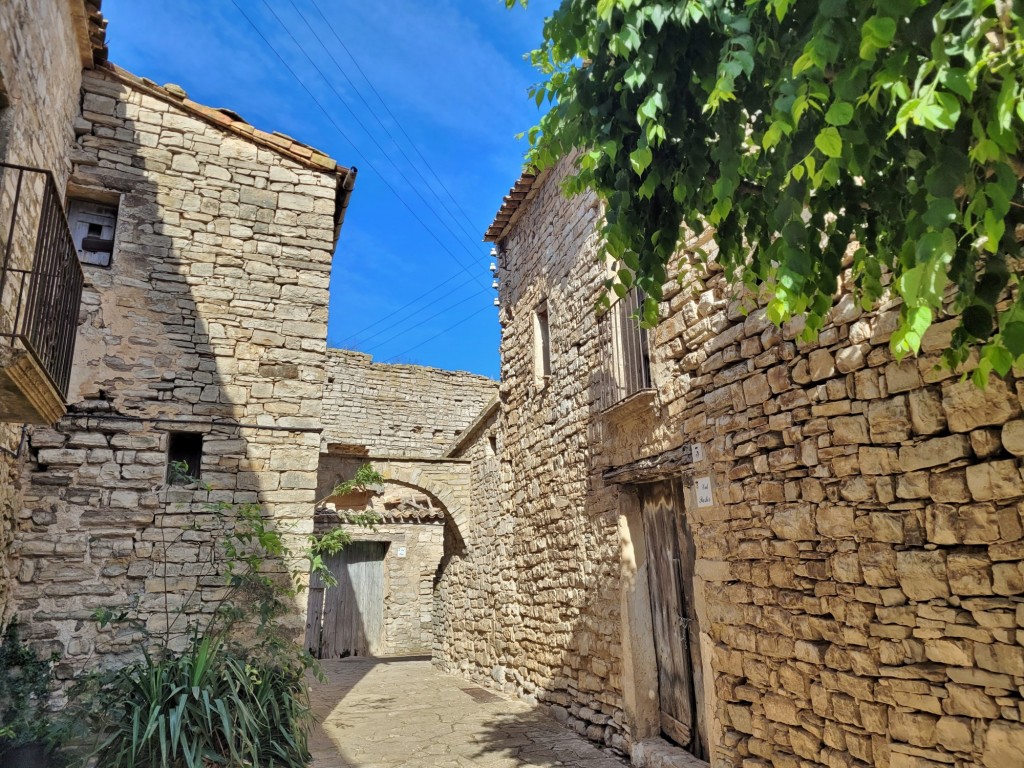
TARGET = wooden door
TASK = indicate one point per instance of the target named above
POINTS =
(353, 612)
(670, 559)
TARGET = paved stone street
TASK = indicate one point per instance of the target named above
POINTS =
(402, 713)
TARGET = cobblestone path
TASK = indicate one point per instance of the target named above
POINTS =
(402, 713)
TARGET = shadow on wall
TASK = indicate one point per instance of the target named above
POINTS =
(187, 332)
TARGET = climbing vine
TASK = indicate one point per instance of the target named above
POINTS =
(812, 136)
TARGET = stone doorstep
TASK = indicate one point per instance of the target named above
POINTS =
(658, 753)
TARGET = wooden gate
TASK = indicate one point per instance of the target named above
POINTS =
(348, 619)
(670, 558)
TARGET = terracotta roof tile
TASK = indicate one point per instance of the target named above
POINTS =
(523, 190)
(231, 121)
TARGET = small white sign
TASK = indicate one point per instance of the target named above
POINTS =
(401, 550)
(703, 490)
(697, 453)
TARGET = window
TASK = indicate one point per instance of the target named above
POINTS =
(628, 369)
(541, 343)
(92, 228)
(184, 457)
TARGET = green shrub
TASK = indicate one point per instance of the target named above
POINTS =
(216, 703)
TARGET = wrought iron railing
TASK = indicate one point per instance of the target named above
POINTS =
(627, 368)
(40, 275)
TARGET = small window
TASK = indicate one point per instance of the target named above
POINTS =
(492, 445)
(541, 343)
(628, 365)
(92, 228)
(184, 457)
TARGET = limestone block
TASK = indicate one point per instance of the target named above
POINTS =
(1004, 745)
(1013, 437)
(954, 733)
(850, 430)
(968, 407)
(969, 573)
(889, 420)
(915, 728)
(834, 521)
(995, 480)
(926, 413)
(1008, 578)
(949, 486)
(879, 565)
(934, 452)
(794, 521)
(876, 460)
(922, 574)
(851, 358)
(998, 657)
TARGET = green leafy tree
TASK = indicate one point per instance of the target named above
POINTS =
(812, 136)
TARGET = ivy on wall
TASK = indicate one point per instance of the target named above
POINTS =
(812, 136)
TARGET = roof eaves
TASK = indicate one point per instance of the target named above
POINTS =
(231, 121)
(511, 207)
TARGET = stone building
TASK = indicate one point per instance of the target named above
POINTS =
(44, 47)
(406, 421)
(715, 541)
(206, 247)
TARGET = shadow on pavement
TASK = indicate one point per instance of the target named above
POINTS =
(402, 713)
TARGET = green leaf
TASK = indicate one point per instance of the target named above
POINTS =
(640, 158)
(977, 320)
(829, 143)
(1013, 338)
(840, 113)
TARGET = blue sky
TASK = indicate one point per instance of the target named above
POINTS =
(410, 281)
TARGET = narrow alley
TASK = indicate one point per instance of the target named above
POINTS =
(402, 713)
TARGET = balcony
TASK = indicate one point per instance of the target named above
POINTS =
(40, 293)
(626, 370)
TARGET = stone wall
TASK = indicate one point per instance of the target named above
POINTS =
(413, 529)
(211, 319)
(861, 560)
(398, 410)
(40, 73)
(857, 581)
(535, 606)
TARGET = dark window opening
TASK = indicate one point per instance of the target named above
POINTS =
(184, 457)
(542, 342)
(492, 442)
(92, 228)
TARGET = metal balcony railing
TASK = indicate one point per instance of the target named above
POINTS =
(627, 367)
(40, 275)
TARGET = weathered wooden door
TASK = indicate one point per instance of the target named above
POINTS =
(353, 609)
(670, 559)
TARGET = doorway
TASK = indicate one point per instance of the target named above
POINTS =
(670, 557)
(347, 619)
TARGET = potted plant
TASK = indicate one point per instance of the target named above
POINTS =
(26, 736)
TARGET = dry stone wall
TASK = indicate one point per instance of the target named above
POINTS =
(210, 320)
(858, 576)
(398, 410)
(535, 608)
(40, 73)
(861, 560)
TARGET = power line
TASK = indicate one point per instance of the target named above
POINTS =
(472, 234)
(436, 335)
(334, 32)
(440, 312)
(366, 130)
(354, 335)
(349, 140)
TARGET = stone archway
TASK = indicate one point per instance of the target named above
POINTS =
(447, 483)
